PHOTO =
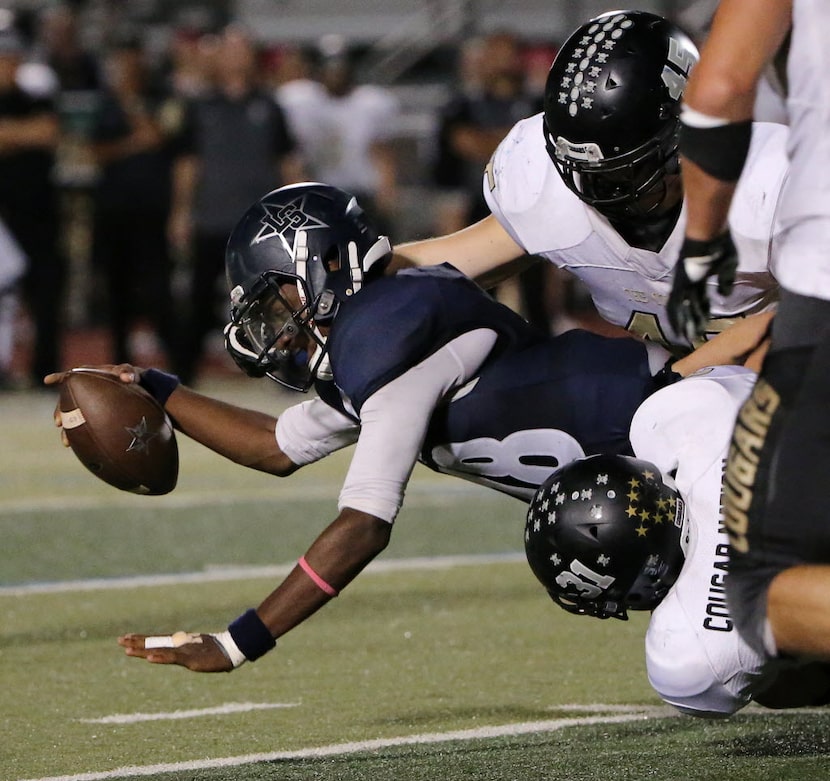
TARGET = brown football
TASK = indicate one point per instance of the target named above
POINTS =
(119, 432)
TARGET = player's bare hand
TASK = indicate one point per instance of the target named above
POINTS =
(197, 652)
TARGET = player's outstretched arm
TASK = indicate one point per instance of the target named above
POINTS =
(742, 344)
(335, 558)
(476, 251)
(244, 436)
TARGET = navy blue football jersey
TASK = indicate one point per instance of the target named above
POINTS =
(397, 321)
(538, 407)
(536, 403)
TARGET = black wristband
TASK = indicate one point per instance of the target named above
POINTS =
(698, 248)
(251, 636)
(158, 384)
(666, 375)
(720, 151)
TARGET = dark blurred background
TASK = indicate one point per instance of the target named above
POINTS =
(133, 133)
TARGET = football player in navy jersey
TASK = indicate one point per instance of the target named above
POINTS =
(422, 365)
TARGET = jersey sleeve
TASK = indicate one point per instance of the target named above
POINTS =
(525, 193)
(312, 430)
(753, 215)
(394, 420)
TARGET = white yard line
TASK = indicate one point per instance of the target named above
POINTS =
(632, 713)
(221, 574)
(219, 710)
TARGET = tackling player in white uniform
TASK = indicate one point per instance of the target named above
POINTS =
(615, 539)
(592, 184)
(776, 509)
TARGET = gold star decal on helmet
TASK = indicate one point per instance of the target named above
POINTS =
(642, 531)
(631, 511)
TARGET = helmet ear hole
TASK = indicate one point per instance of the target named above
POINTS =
(331, 260)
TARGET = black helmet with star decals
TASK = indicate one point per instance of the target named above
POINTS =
(611, 110)
(606, 534)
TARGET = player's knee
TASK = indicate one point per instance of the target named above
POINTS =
(681, 671)
(693, 689)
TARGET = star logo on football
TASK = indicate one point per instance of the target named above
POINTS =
(141, 435)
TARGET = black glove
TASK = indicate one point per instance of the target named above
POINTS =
(688, 302)
(243, 354)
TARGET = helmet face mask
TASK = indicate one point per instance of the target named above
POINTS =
(606, 534)
(292, 260)
(632, 184)
(278, 328)
(611, 111)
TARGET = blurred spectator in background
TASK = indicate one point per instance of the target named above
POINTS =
(478, 116)
(133, 140)
(59, 46)
(451, 175)
(236, 146)
(290, 71)
(493, 96)
(188, 69)
(29, 134)
(347, 130)
(12, 267)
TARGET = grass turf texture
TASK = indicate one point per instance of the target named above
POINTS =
(398, 654)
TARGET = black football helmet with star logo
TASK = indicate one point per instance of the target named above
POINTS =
(293, 258)
(606, 534)
(612, 108)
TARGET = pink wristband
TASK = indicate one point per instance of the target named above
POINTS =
(318, 581)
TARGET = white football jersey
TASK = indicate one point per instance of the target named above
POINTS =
(695, 658)
(630, 286)
(803, 263)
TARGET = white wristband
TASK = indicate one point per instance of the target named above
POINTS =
(230, 648)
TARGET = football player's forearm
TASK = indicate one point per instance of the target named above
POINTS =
(475, 250)
(737, 345)
(243, 436)
(335, 558)
(725, 80)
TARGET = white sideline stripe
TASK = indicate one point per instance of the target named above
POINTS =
(339, 749)
(220, 710)
(221, 574)
(423, 492)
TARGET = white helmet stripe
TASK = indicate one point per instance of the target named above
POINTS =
(300, 258)
(355, 269)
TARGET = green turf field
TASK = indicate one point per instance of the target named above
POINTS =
(444, 661)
